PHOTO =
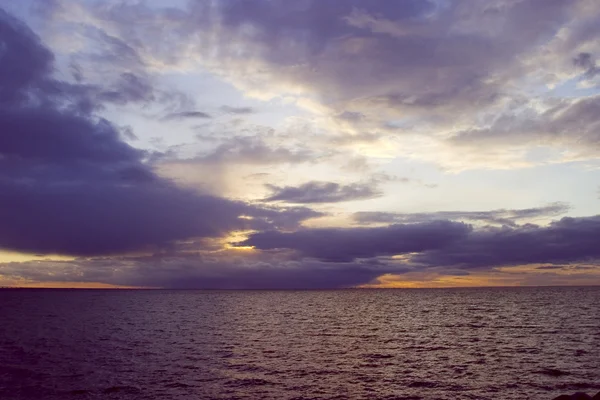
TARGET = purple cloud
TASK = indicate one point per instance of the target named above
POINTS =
(238, 110)
(203, 272)
(587, 63)
(348, 244)
(402, 44)
(69, 185)
(446, 244)
(252, 150)
(572, 122)
(563, 241)
(501, 217)
(182, 115)
(323, 192)
(420, 54)
(382, 68)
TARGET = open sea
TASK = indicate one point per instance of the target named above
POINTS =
(498, 343)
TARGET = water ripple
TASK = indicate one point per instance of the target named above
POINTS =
(352, 344)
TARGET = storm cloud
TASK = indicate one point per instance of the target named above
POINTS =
(447, 244)
(347, 244)
(563, 241)
(69, 185)
(202, 272)
(289, 92)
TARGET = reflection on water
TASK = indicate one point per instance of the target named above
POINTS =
(357, 344)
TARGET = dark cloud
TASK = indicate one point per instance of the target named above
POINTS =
(69, 185)
(323, 192)
(346, 257)
(285, 218)
(502, 217)
(238, 110)
(347, 244)
(20, 70)
(563, 241)
(129, 88)
(445, 244)
(239, 274)
(202, 272)
(128, 134)
(182, 115)
(587, 62)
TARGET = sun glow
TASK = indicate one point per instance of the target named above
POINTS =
(524, 275)
(230, 242)
(10, 256)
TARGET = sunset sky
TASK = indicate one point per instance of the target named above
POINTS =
(251, 144)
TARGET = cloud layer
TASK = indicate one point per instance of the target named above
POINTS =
(367, 88)
(445, 243)
(323, 192)
(494, 217)
(471, 80)
(354, 243)
(70, 185)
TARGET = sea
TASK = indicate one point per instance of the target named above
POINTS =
(480, 343)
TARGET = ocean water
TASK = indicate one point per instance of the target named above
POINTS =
(501, 343)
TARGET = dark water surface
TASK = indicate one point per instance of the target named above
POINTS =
(521, 343)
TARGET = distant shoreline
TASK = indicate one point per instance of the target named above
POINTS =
(291, 290)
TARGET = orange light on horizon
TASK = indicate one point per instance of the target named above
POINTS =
(66, 285)
(525, 275)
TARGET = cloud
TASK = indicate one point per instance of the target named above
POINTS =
(563, 241)
(69, 185)
(348, 244)
(550, 267)
(285, 218)
(455, 83)
(586, 62)
(573, 124)
(502, 217)
(238, 110)
(323, 192)
(199, 272)
(445, 245)
(333, 258)
(129, 88)
(435, 69)
(182, 115)
(114, 70)
(252, 150)
(347, 38)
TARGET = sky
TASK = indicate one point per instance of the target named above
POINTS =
(308, 144)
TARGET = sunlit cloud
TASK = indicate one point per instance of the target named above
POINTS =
(315, 144)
